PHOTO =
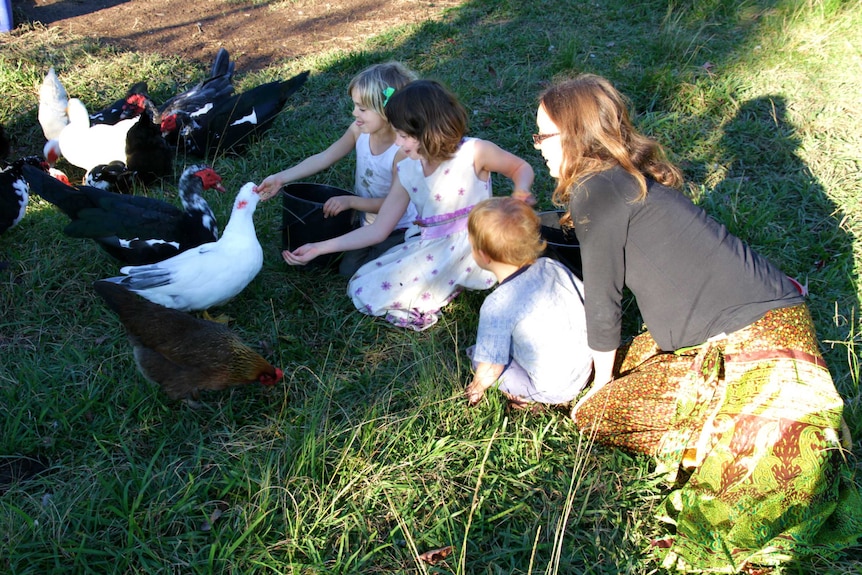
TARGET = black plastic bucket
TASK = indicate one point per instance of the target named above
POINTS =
(303, 221)
(563, 244)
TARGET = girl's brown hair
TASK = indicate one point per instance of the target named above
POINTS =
(597, 133)
(427, 111)
(507, 230)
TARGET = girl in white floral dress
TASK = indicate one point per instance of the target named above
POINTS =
(444, 175)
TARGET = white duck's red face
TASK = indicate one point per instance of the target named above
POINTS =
(247, 198)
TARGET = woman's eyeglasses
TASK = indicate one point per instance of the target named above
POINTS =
(539, 138)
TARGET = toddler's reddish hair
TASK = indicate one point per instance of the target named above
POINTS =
(507, 230)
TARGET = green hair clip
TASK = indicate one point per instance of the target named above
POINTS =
(387, 93)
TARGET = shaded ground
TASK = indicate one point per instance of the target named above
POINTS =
(256, 34)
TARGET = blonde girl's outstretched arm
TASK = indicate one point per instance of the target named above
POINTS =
(489, 157)
(393, 208)
(310, 165)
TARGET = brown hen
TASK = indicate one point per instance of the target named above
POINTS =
(181, 353)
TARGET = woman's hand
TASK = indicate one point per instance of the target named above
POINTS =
(603, 373)
(336, 204)
(603, 367)
(301, 255)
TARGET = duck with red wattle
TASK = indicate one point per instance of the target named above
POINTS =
(133, 104)
(199, 99)
(208, 275)
(135, 230)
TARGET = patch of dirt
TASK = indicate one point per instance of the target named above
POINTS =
(257, 35)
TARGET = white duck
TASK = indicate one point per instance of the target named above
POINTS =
(208, 275)
(88, 146)
(53, 100)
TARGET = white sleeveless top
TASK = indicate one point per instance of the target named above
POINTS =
(374, 178)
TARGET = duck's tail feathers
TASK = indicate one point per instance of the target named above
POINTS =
(288, 87)
(142, 277)
(222, 66)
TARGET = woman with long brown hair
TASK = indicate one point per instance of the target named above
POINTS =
(726, 388)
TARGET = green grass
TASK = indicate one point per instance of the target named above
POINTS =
(367, 455)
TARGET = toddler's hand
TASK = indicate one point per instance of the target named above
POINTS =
(474, 392)
(335, 205)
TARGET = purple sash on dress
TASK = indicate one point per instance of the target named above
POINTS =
(443, 225)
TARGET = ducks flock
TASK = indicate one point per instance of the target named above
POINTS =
(205, 120)
(170, 256)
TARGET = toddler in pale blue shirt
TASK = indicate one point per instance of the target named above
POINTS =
(532, 335)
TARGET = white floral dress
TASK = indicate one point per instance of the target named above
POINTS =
(411, 282)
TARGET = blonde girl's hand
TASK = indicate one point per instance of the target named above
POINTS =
(524, 196)
(335, 205)
(301, 255)
(269, 187)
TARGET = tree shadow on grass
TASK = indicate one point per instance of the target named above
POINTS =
(772, 199)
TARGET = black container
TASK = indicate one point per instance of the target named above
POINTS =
(303, 221)
(563, 244)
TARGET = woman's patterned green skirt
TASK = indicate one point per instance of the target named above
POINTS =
(748, 429)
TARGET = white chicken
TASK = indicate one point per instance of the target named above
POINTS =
(208, 275)
(53, 100)
(88, 146)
